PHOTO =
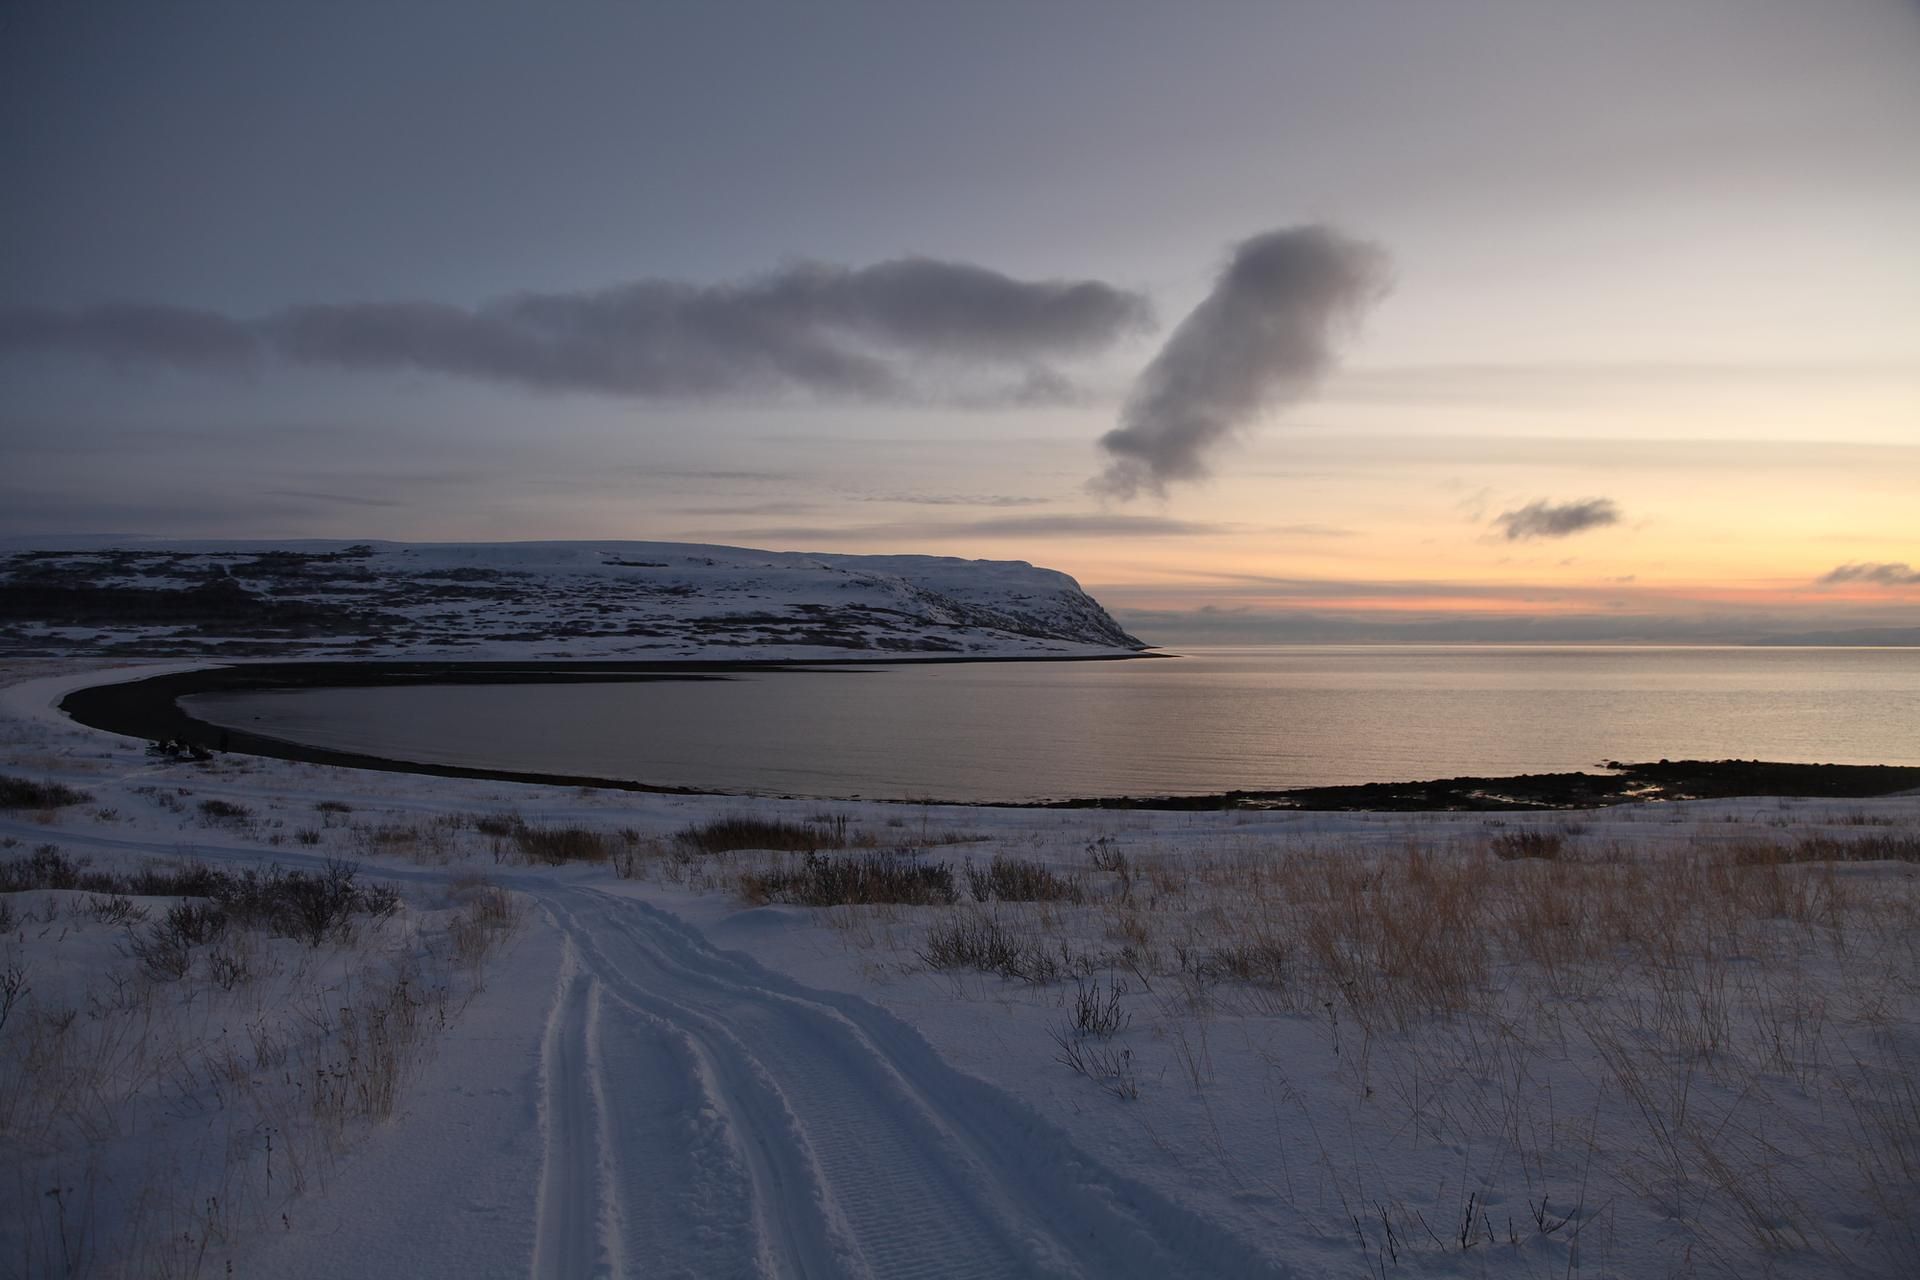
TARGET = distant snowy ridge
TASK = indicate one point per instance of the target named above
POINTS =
(512, 600)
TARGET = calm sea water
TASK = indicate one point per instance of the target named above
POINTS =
(1212, 720)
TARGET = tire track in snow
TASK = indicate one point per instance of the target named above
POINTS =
(794, 1223)
(572, 1212)
(719, 1119)
(612, 1224)
(865, 1152)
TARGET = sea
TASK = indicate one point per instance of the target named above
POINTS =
(1192, 722)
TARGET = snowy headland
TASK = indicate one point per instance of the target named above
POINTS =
(519, 600)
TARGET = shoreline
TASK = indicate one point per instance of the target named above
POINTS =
(148, 708)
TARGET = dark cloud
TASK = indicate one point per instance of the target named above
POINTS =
(1263, 337)
(871, 332)
(1896, 574)
(1557, 520)
(179, 336)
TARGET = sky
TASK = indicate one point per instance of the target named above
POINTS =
(1463, 321)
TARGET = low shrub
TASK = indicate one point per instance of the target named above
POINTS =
(1262, 962)
(194, 923)
(977, 940)
(19, 793)
(175, 880)
(726, 835)
(1097, 1011)
(1879, 847)
(162, 954)
(873, 878)
(1512, 845)
(311, 906)
(550, 845)
(48, 868)
(224, 811)
(489, 914)
(114, 910)
(555, 845)
(971, 941)
(1018, 880)
(303, 905)
(228, 969)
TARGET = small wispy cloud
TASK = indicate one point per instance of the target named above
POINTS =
(1891, 574)
(1314, 531)
(1557, 520)
(955, 499)
(333, 499)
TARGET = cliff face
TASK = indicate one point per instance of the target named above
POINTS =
(532, 600)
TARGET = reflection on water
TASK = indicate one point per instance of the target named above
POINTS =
(1217, 719)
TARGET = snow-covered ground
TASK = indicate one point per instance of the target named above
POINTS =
(1649, 1041)
(516, 600)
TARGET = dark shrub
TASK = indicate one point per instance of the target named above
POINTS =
(725, 835)
(194, 923)
(874, 877)
(1017, 880)
(1528, 844)
(976, 940)
(19, 793)
(555, 845)
(224, 811)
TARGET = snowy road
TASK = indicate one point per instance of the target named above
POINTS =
(700, 1115)
(703, 1116)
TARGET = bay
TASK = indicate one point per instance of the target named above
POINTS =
(1208, 720)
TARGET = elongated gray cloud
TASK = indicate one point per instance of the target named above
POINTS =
(179, 336)
(1893, 574)
(1262, 338)
(869, 332)
(1557, 520)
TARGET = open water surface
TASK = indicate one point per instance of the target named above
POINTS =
(1208, 721)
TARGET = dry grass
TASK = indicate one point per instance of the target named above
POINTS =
(216, 1084)
(489, 915)
(1605, 1027)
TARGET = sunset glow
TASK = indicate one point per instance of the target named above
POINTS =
(1656, 262)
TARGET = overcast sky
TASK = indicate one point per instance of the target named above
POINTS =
(1293, 321)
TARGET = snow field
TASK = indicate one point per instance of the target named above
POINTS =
(1649, 1041)
(160, 1099)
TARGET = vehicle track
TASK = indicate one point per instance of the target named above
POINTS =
(703, 1116)
(857, 1149)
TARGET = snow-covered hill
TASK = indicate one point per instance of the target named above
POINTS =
(532, 600)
